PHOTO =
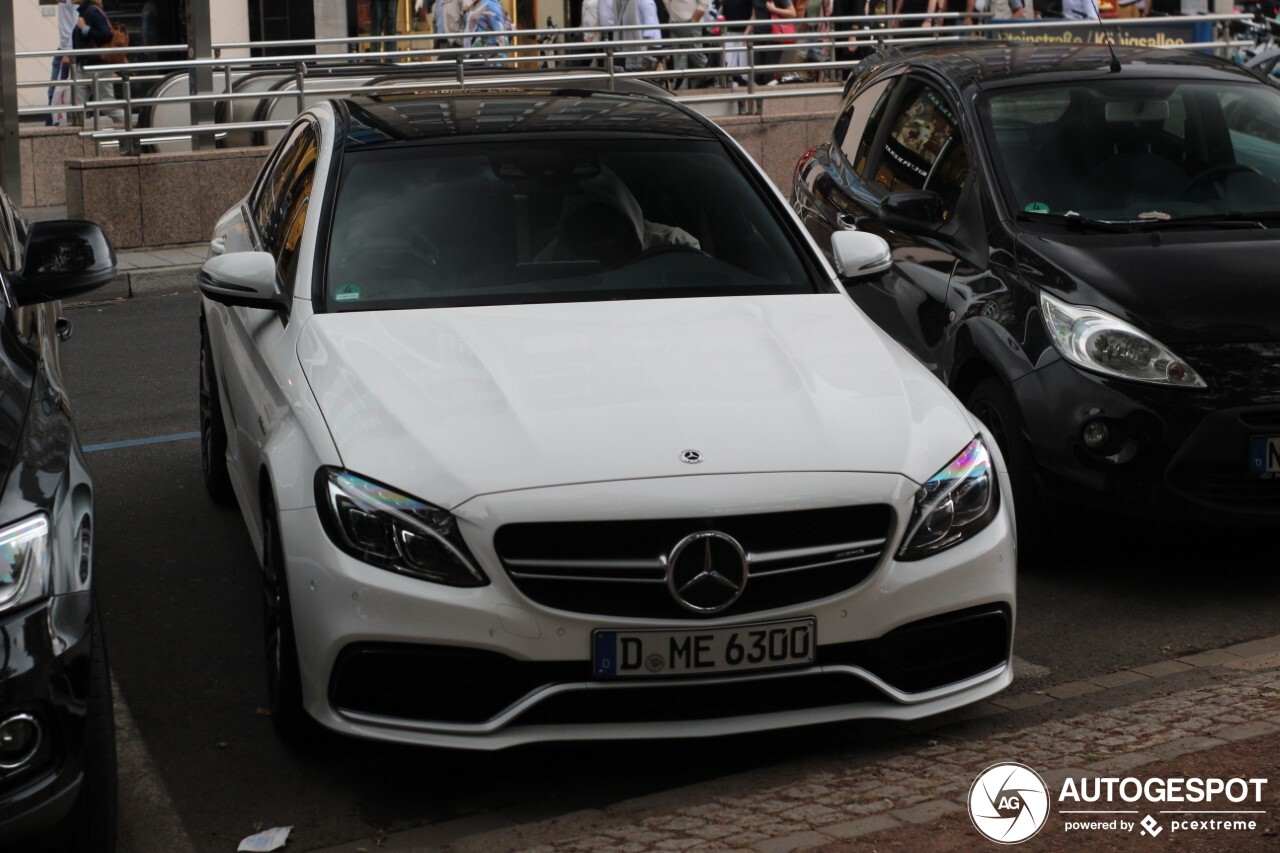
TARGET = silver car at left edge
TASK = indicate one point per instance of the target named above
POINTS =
(548, 421)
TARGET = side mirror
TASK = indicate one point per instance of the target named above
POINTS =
(912, 210)
(245, 279)
(63, 258)
(860, 256)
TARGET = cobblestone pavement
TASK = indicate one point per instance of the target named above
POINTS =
(1193, 706)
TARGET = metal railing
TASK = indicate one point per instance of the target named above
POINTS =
(557, 55)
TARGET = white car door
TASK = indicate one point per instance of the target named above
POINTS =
(259, 342)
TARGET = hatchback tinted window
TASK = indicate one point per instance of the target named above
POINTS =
(1142, 149)
(566, 221)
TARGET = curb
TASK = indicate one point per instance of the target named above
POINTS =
(141, 282)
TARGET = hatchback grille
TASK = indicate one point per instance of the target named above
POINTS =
(618, 568)
(1222, 484)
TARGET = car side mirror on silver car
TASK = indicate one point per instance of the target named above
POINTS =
(859, 255)
(63, 258)
(244, 279)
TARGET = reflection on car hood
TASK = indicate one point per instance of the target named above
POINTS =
(1193, 286)
(452, 403)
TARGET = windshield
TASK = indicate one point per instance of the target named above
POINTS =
(1137, 150)
(482, 223)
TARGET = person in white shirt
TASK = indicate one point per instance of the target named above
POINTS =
(60, 68)
(687, 12)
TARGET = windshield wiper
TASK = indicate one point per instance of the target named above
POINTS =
(1073, 219)
(1217, 220)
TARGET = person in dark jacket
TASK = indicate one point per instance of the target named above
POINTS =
(93, 29)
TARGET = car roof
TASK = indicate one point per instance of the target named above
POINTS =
(994, 63)
(503, 109)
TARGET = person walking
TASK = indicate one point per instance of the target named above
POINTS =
(93, 29)
(769, 52)
(447, 21)
(687, 12)
(382, 22)
(60, 67)
(485, 23)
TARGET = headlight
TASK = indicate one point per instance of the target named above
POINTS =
(1097, 341)
(393, 531)
(24, 561)
(953, 505)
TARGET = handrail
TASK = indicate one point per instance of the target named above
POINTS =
(456, 66)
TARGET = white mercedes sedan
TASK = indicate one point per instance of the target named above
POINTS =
(550, 422)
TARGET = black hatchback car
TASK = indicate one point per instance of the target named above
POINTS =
(1086, 250)
(57, 736)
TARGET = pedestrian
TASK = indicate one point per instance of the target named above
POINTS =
(60, 67)
(642, 17)
(447, 21)
(485, 22)
(687, 12)
(1080, 10)
(910, 7)
(958, 7)
(737, 14)
(769, 52)
(93, 29)
(382, 22)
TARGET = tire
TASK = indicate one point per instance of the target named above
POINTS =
(290, 720)
(994, 405)
(93, 820)
(213, 430)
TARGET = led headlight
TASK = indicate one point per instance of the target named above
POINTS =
(25, 552)
(394, 531)
(1097, 341)
(953, 505)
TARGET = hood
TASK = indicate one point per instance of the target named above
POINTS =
(447, 404)
(1182, 286)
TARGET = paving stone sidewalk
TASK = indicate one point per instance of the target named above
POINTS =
(1240, 701)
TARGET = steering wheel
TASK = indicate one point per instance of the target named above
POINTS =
(667, 249)
(1195, 188)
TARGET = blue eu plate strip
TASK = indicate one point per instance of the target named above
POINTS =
(606, 648)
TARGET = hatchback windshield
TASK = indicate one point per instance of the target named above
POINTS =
(1137, 149)
(481, 223)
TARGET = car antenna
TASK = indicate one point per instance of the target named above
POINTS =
(1115, 63)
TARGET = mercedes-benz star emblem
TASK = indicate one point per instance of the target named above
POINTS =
(693, 457)
(707, 571)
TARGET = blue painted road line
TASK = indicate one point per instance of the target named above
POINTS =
(138, 442)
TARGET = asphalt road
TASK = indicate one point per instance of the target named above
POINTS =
(179, 593)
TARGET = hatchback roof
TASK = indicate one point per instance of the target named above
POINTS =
(506, 109)
(994, 61)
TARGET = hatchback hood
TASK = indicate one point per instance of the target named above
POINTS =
(1203, 286)
(448, 404)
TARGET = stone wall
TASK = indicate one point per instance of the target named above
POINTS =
(160, 199)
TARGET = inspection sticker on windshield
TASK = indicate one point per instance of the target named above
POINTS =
(1264, 456)
(1036, 207)
(347, 293)
(620, 654)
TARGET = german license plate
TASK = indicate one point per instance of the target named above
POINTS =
(1264, 456)
(624, 654)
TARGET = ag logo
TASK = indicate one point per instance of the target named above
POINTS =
(1008, 803)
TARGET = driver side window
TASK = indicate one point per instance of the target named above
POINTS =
(924, 149)
(280, 208)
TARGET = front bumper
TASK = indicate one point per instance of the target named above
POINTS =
(1180, 455)
(393, 658)
(47, 676)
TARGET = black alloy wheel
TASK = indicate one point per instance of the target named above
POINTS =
(213, 431)
(91, 826)
(284, 681)
(994, 405)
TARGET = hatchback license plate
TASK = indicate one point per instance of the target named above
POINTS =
(1264, 455)
(623, 654)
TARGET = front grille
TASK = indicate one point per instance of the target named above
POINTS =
(1212, 466)
(456, 685)
(618, 568)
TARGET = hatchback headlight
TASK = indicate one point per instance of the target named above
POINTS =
(394, 531)
(25, 554)
(953, 505)
(1095, 340)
